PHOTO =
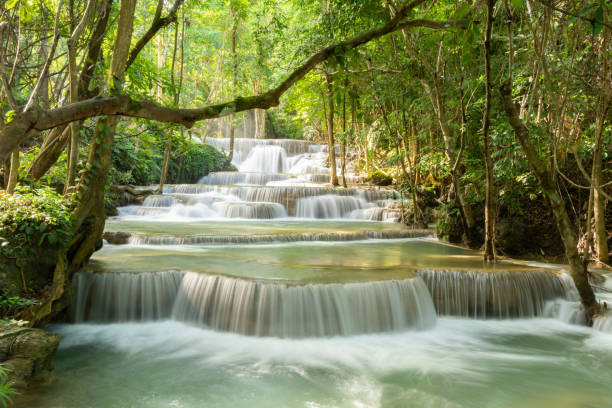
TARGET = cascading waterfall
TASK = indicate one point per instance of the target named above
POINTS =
(265, 159)
(285, 172)
(159, 201)
(288, 195)
(258, 210)
(227, 178)
(120, 297)
(329, 206)
(495, 294)
(265, 308)
(253, 307)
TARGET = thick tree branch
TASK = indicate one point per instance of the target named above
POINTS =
(37, 119)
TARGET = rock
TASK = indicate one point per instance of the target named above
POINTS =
(116, 237)
(27, 354)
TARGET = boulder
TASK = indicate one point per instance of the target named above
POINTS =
(27, 354)
(116, 237)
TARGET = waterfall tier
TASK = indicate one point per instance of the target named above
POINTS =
(265, 159)
(328, 206)
(289, 196)
(499, 295)
(227, 178)
(138, 239)
(252, 210)
(254, 307)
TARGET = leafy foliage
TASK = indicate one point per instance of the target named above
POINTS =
(6, 388)
(31, 218)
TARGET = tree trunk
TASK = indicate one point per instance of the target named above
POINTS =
(234, 80)
(333, 176)
(165, 165)
(489, 252)
(343, 145)
(14, 172)
(599, 209)
(545, 177)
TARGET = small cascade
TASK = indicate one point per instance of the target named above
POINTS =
(329, 206)
(122, 297)
(603, 323)
(159, 201)
(265, 159)
(259, 210)
(227, 178)
(495, 294)
(274, 238)
(308, 163)
(568, 311)
(242, 146)
(376, 214)
(253, 307)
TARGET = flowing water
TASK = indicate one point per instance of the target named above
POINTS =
(268, 288)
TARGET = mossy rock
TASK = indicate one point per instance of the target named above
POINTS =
(379, 178)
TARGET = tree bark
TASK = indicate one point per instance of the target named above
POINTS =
(333, 176)
(489, 250)
(165, 165)
(343, 145)
(599, 204)
(14, 172)
(545, 176)
(234, 80)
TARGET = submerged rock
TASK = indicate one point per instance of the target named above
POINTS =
(27, 354)
(116, 237)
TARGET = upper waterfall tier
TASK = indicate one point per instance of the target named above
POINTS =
(254, 307)
(242, 146)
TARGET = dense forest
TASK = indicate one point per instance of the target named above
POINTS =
(490, 118)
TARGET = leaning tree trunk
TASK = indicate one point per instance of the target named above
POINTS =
(545, 177)
(89, 215)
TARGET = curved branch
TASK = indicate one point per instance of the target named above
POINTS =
(37, 119)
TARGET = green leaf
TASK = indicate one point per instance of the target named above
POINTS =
(461, 11)
(597, 24)
(517, 4)
(10, 4)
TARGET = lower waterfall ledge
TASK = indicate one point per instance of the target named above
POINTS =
(253, 307)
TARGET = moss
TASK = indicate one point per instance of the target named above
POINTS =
(379, 178)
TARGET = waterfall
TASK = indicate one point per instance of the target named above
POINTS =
(265, 159)
(285, 195)
(258, 210)
(253, 307)
(227, 178)
(328, 206)
(159, 201)
(603, 322)
(120, 297)
(242, 146)
(274, 238)
(495, 294)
